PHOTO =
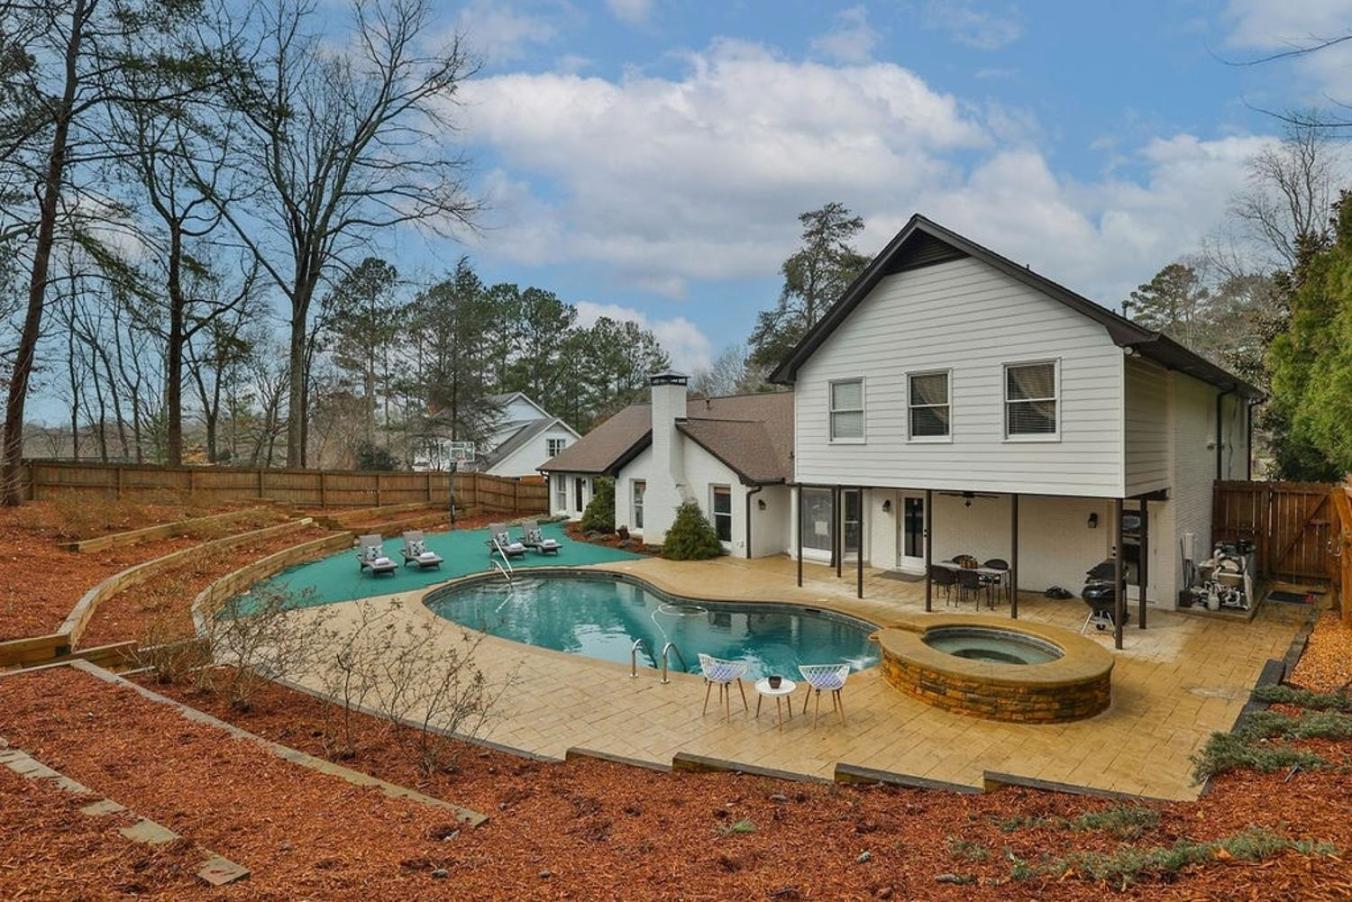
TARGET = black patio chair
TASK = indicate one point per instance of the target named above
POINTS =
(945, 579)
(999, 563)
(971, 582)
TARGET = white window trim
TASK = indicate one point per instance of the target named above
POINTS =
(714, 515)
(1035, 438)
(863, 411)
(635, 504)
(930, 439)
(560, 443)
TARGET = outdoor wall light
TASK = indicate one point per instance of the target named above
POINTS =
(760, 504)
(887, 505)
(1093, 521)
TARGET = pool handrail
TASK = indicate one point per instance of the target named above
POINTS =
(633, 655)
(506, 573)
(670, 647)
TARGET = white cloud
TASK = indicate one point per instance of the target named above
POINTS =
(635, 12)
(703, 176)
(851, 39)
(982, 29)
(667, 181)
(689, 348)
(498, 33)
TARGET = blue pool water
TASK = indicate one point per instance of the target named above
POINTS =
(601, 618)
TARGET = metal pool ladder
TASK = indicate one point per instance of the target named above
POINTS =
(506, 573)
(670, 647)
(633, 655)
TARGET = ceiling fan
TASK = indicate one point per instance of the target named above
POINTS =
(968, 496)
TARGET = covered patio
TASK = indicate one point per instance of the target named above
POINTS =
(840, 515)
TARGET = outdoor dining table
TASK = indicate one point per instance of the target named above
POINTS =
(997, 576)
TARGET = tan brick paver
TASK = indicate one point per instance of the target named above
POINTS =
(1173, 684)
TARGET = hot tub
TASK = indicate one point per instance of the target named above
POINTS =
(993, 668)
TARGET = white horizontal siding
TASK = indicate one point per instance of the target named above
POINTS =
(1147, 418)
(972, 319)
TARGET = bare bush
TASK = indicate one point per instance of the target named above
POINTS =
(349, 673)
(171, 659)
(424, 677)
(261, 638)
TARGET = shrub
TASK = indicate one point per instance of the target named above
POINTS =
(600, 513)
(371, 456)
(1231, 751)
(1303, 698)
(691, 537)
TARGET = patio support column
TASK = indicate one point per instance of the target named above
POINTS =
(859, 555)
(1143, 566)
(1014, 557)
(838, 529)
(929, 544)
(798, 489)
(1119, 593)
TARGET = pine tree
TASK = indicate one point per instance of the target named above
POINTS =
(691, 537)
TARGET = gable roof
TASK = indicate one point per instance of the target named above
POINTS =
(751, 434)
(517, 440)
(502, 399)
(923, 242)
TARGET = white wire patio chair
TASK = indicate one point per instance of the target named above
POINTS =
(825, 678)
(721, 673)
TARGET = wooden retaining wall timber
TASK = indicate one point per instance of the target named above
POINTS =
(162, 531)
(78, 620)
(48, 479)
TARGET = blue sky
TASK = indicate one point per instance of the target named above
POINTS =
(647, 158)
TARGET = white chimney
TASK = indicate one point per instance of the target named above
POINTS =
(665, 490)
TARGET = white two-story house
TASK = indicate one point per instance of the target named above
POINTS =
(952, 402)
(955, 402)
(523, 436)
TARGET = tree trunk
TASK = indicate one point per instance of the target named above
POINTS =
(173, 386)
(11, 492)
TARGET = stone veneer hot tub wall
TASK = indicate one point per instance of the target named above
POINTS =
(1075, 686)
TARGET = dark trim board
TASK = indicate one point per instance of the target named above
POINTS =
(923, 242)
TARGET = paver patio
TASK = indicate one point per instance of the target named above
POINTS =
(1173, 685)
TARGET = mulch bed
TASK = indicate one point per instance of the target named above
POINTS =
(301, 833)
(609, 540)
(1326, 665)
(42, 582)
(593, 827)
(48, 849)
(160, 610)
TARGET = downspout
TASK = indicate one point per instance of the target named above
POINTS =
(1220, 447)
(749, 493)
(1248, 439)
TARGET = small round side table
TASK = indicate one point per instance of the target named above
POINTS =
(786, 687)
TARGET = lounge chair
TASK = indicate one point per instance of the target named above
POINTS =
(535, 539)
(723, 674)
(500, 541)
(415, 551)
(371, 556)
(825, 678)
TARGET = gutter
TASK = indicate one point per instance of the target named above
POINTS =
(1248, 439)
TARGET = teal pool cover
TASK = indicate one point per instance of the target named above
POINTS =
(337, 577)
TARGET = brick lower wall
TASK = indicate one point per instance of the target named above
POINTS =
(998, 701)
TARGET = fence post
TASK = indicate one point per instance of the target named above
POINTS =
(323, 491)
(377, 490)
(260, 483)
(516, 496)
(192, 483)
(429, 486)
(118, 490)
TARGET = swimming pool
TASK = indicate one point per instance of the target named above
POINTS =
(602, 616)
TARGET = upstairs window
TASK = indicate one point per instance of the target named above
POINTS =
(930, 410)
(554, 446)
(1031, 405)
(847, 410)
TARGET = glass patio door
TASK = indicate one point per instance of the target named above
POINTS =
(852, 520)
(911, 537)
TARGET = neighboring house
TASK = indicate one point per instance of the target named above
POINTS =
(731, 455)
(953, 378)
(950, 375)
(524, 436)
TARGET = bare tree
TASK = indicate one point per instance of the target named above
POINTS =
(338, 146)
(56, 102)
(1292, 186)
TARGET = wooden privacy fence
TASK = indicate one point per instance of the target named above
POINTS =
(1293, 525)
(46, 480)
(1342, 505)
